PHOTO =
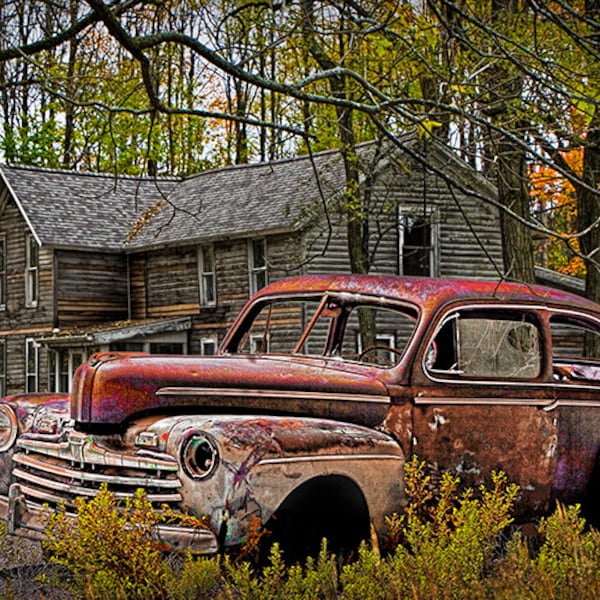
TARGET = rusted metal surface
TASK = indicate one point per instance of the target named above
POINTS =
(471, 386)
(109, 389)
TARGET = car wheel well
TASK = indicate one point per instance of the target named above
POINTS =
(327, 506)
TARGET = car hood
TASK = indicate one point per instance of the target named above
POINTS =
(110, 389)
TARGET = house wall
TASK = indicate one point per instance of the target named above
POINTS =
(19, 322)
(164, 283)
(90, 288)
(468, 237)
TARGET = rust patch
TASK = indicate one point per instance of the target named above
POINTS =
(471, 441)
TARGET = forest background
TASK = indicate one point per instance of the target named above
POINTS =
(175, 87)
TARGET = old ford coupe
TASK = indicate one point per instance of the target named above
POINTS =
(322, 388)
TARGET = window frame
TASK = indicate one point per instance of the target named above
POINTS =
(31, 346)
(207, 277)
(205, 342)
(62, 364)
(501, 313)
(432, 248)
(3, 290)
(31, 272)
(254, 271)
(3, 365)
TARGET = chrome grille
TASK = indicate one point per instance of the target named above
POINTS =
(53, 472)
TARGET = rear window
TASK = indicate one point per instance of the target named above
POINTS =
(494, 345)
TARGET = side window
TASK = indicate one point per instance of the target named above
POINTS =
(257, 264)
(492, 346)
(31, 271)
(207, 276)
(377, 335)
(575, 348)
(2, 272)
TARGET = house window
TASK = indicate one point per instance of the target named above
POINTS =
(208, 346)
(31, 365)
(62, 365)
(259, 344)
(417, 254)
(2, 367)
(31, 271)
(207, 277)
(257, 258)
(2, 273)
(165, 348)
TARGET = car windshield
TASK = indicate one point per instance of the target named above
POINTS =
(347, 327)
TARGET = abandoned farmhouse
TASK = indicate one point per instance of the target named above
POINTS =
(93, 262)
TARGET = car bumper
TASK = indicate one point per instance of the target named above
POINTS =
(30, 520)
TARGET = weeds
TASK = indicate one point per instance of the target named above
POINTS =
(444, 546)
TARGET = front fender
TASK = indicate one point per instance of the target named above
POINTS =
(262, 460)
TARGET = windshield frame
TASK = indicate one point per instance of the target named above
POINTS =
(327, 301)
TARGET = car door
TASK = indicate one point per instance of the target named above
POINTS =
(482, 400)
(576, 382)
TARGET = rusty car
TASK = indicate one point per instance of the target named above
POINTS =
(320, 391)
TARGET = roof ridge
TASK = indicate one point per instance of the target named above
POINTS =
(98, 174)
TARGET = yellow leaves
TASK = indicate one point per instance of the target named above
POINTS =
(425, 128)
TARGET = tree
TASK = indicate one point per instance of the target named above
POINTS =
(495, 80)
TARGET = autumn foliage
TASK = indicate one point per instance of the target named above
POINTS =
(554, 205)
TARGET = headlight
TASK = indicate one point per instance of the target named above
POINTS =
(199, 455)
(8, 427)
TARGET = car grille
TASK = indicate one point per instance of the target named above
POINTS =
(51, 472)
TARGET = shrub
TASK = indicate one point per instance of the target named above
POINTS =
(449, 540)
(108, 547)
(445, 545)
(566, 567)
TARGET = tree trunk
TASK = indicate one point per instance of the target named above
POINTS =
(514, 196)
(505, 90)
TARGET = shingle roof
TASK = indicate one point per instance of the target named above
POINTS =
(243, 199)
(75, 209)
(85, 210)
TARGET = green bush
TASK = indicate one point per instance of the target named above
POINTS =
(108, 547)
(446, 544)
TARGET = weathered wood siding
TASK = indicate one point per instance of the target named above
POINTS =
(137, 286)
(90, 288)
(172, 282)
(19, 322)
(468, 238)
(284, 258)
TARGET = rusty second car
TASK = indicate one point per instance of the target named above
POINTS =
(321, 389)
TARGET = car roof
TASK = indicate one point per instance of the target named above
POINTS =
(430, 292)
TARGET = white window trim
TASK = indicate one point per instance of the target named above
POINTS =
(3, 342)
(434, 262)
(31, 343)
(71, 366)
(202, 272)
(3, 290)
(205, 342)
(252, 269)
(256, 341)
(31, 272)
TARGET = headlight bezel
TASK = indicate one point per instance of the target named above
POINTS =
(199, 455)
(9, 427)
